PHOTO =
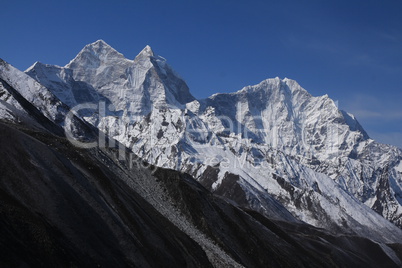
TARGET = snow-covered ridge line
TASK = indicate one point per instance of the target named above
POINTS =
(271, 140)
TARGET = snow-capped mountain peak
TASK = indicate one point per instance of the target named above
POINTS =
(146, 52)
(134, 86)
(95, 55)
(60, 80)
(41, 69)
(98, 64)
(32, 66)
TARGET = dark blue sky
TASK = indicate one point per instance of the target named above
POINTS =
(350, 50)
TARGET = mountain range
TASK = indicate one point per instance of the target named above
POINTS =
(123, 143)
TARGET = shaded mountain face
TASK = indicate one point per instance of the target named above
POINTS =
(63, 206)
(268, 159)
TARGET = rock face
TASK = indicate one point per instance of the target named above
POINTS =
(270, 158)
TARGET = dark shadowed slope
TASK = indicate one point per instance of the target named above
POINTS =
(61, 206)
(64, 207)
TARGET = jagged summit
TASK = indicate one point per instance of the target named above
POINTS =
(39, 65)
(100, 42)
(32, 66)
(99, 46)
(49, 73)
(98, 64)
(147, 52)
(101, 53)
(136, 86)
(96, 54)
(286, 87)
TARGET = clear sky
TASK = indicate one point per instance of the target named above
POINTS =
(350, 50)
